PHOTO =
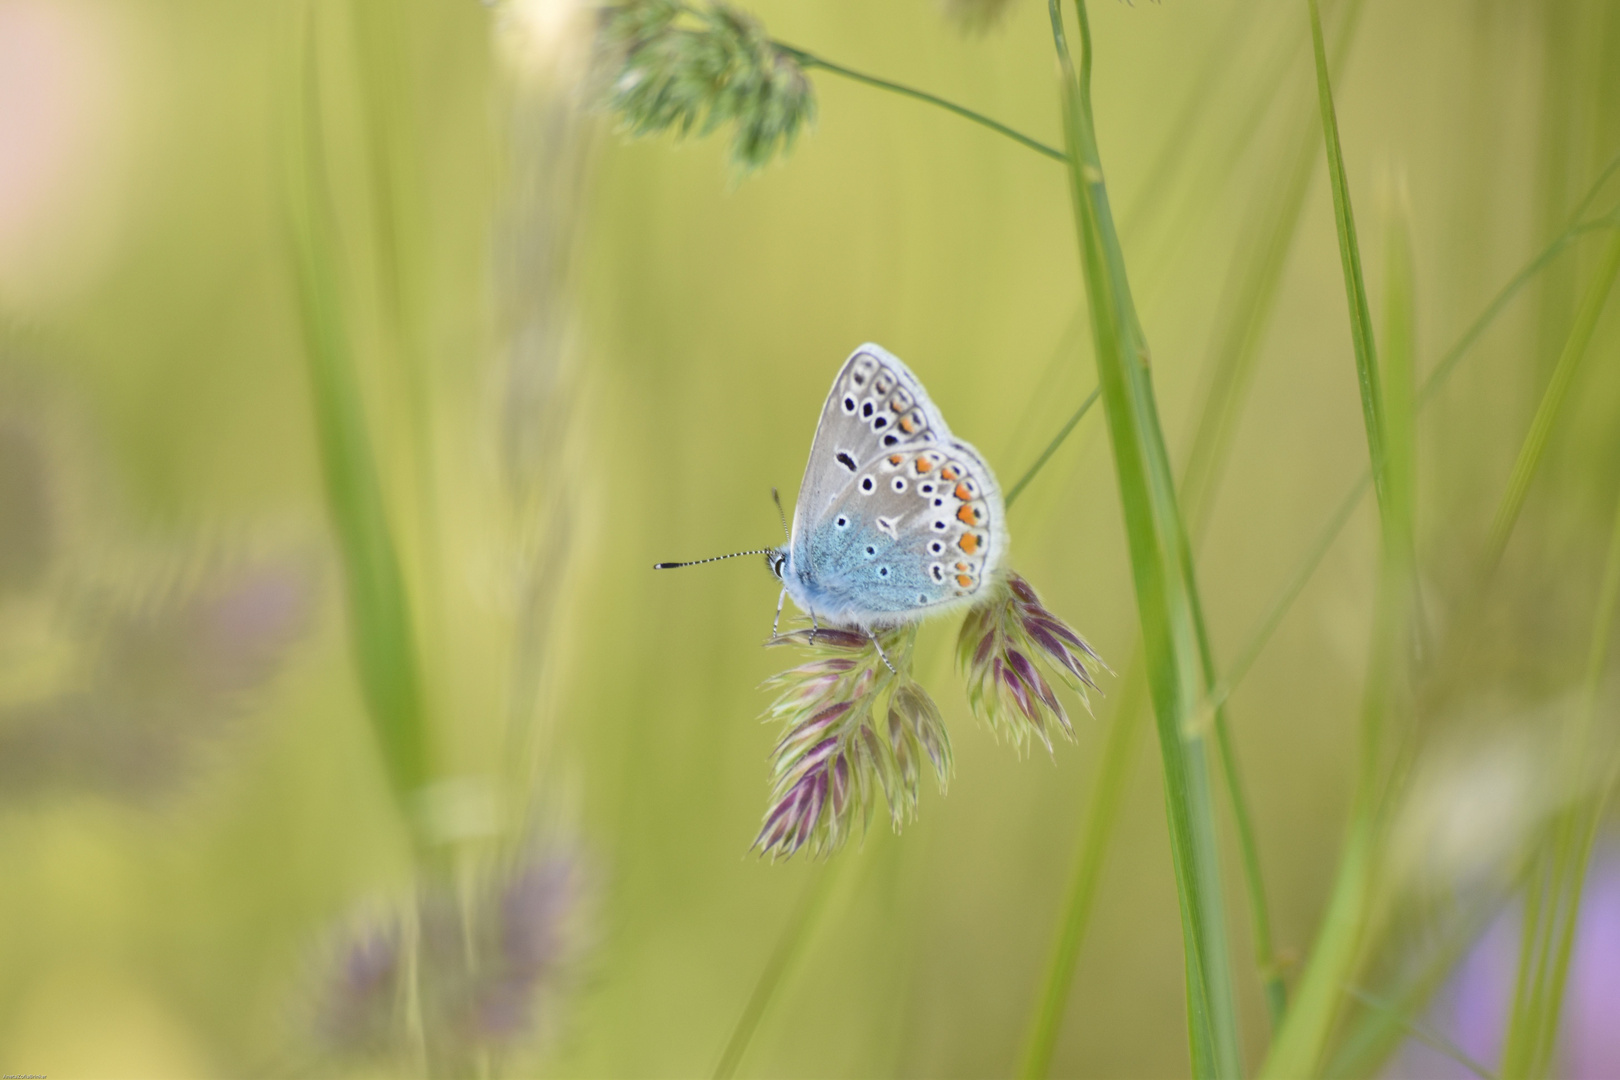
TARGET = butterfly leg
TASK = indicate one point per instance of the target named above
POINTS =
(815, 628)
(777, 622)
(879, 646)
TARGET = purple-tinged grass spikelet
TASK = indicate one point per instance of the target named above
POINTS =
(855, 732)
(997, 649)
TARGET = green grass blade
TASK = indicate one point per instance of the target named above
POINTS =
(1156, 538)
(1552, 401)
(378, 606)
(1355, 288)
(1302, 1041)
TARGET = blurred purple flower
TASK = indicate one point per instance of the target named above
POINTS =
(1472, 1010)
(158, 680)
(998, 647)
(106, 693)
(486, 964)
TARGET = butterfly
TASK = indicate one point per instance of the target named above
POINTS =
(897, 520)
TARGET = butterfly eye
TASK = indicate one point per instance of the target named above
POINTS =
(867, 485)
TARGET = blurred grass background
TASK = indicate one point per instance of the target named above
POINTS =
(150, 348)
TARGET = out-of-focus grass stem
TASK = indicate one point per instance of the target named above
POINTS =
(1535, 441)
(790, 945)
(1553, 895)
(1163, 580)
(378, 605)
(811, 61)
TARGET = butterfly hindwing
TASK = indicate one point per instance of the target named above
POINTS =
(918, 529)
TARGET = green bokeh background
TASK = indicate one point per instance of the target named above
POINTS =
(179, 937)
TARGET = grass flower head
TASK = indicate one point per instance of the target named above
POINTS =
(690, 70)
(998, 648)
(855, 729)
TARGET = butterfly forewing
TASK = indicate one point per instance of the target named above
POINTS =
(875, 406)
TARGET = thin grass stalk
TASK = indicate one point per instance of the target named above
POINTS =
(1548, 940)
(1232, 364)
(1096, 831)
(1051, 448)
(1258, 274)
(1301, 1043)
(1156, 538)
(790, 945)
(1369, 1042)
(380, 626)
(1552, 401)
(1423, 1033)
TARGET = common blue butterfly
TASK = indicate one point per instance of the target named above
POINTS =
(897, 519)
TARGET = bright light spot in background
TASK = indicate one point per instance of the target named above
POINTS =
(546, 40)
(63, 122)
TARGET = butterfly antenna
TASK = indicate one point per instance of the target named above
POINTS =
(712, 558)
(777, 499)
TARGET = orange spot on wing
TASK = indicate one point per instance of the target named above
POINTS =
(895, 459)
(969, 543)
(968, 514)
(949, 473)
(923, 464)
(963, 493)
(964, 581)
(962, 566)
(908, 425)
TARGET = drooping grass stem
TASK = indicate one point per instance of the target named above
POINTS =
(810, 60)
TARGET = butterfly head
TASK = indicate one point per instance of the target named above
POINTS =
(776, 561)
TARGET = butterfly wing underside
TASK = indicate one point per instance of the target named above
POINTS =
(896, 519)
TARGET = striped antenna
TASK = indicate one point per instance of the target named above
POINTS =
(714, 558)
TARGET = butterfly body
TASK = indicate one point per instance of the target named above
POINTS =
(897, 520)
